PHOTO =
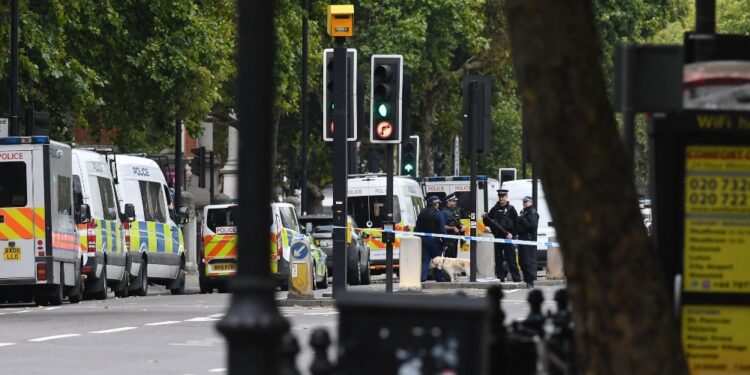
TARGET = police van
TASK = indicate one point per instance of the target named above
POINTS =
(152, 236)
(217, 260)
(442, 186)
(102, 238)
(366, 204)
(38, 235)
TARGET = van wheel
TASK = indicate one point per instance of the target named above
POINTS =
(179, 283)
(55, 295)
(100, 292)
(141, 281)
(76, 293)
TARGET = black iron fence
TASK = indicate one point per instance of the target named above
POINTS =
(422, 334)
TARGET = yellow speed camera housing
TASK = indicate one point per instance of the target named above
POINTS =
(341, 20)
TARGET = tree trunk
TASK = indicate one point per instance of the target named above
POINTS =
(622, 307)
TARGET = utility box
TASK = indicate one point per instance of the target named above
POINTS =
(341, 20)
(413, 334)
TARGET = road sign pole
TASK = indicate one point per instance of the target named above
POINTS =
(473, 123)
(339, 167)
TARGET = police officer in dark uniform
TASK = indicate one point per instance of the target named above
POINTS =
(430, 221)
(526, 226)
(452, 217)
(502, 220)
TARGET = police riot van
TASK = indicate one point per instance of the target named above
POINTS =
(102, 238)
(285, 229)
(217, 260)
(366, 204)
(546, 231)
(156, 251)
(38, 235)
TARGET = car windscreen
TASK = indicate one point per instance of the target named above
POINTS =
(371, 210)
(13, 184)
(223, 218)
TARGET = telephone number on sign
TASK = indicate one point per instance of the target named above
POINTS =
(727, 184)
(719, 199)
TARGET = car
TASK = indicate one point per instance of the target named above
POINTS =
(358, 260)
(285, 228)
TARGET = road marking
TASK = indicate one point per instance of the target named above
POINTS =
(321, 313)
(162, 323)
(21, 312)
(217, 370)
(219, 315)
(202, 319)
(114, 330)
(52, 308)
(40, 339)
(6, 344)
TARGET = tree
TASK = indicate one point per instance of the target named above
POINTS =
(129, 67)
(624, 323)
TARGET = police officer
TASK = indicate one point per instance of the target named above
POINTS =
(526, 226)
(502, 220)
(430, 221)
(452, 218)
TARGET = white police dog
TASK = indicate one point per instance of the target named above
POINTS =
(451, 266)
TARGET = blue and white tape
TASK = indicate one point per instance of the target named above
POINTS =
(465, 238)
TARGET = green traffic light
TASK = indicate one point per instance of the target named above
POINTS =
(330, 105)
(384, 110)
(408, 168)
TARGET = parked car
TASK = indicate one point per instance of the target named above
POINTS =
(358, 254)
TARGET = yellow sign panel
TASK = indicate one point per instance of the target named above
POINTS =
(716, 339)
(717, 219)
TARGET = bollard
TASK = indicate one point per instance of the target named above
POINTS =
(300, 270)
(486, 258)
(555, 269)
(410, 264)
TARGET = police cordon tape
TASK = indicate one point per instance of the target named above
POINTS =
(465, 238)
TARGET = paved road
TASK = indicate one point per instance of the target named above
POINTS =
(156, 334)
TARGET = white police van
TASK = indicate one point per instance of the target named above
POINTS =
(38, 236)
(152, 235)
(102, 238)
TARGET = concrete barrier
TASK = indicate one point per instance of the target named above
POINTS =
(410, 264)
(485, 258)
(555, 269)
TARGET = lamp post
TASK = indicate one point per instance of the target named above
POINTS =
(13, 131)
(253, 325)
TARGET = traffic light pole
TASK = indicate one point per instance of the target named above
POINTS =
(473, 123)
(13, 131)
(211, 171)
(339, 167)
(389, 212)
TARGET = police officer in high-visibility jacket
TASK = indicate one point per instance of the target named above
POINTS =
(526, 226)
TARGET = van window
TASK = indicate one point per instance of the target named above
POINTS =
(77, 191)
(288, 218)
(13, 184)
(222, 217)
(153, 205)
(108, 198)
(372, 208)
(64, 204)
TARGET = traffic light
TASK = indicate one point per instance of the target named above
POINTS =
(410, 157)
(477, 101)
(385, 108)
(439, 163)
(198, 165)
(351, 92)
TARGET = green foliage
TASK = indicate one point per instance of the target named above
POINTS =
(129, 67)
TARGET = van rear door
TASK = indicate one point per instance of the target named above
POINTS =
(19, 220)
